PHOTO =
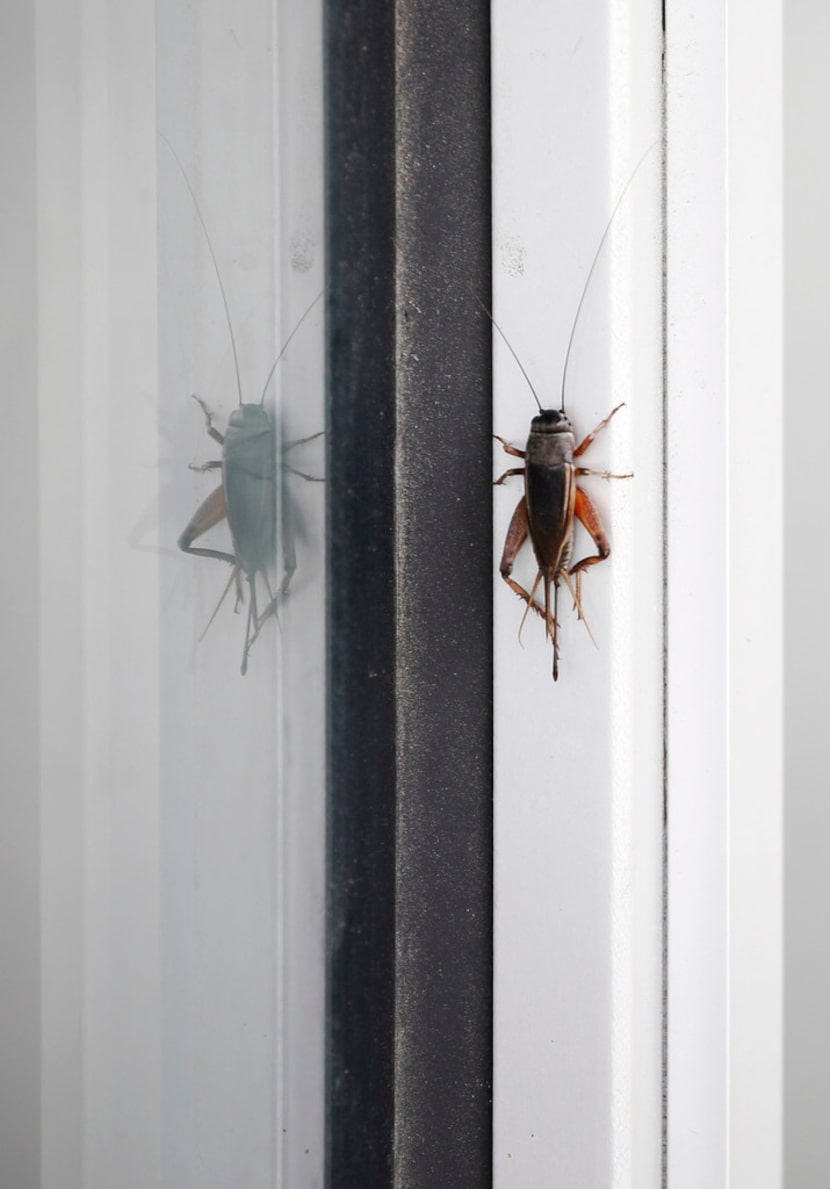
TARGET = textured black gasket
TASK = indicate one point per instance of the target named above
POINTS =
(409, 595)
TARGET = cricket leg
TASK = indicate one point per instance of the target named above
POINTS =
(576, 595)
(601, 474)
(507, 475)
(286, 446)
(516, 536)
(233, 578)
(586, 513)
(211, 511)
(516, 453)
(288, 540)
(214, 433)
(586, 442)
(270, 610)
(303, 475)
(509, 449)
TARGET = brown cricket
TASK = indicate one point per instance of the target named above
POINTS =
(553, 501)
(547, 512)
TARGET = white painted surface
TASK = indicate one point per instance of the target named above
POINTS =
(755, 593)
(577, 1094)
(574, 1080)
(697, 582)
(724, 584)
(182, 805)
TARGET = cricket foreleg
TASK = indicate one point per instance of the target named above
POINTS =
(214, 433)
(586, 442)
(510, 449)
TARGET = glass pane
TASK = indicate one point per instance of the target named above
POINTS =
(242, 819)
(177, 190)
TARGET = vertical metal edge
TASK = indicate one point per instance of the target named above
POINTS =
(806, 744)
(20, 979)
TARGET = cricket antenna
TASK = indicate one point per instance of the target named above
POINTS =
(600, 246)
(284, 347)
(509, 346)
(213, 258)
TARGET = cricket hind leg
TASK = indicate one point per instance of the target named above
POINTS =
(234, 577)
(210, 512)
(531, 600)
(586, 513)
(576, 595)
(289, 559)
(517, 534)
(271, 609)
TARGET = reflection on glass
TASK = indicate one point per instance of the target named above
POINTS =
(242, 753)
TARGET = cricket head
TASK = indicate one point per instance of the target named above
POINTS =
(250, 419)
(551, 421)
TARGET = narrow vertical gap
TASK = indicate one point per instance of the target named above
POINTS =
(20, 840)
(360, 489)
(665, 617)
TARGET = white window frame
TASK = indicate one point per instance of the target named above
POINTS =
(578, 1077)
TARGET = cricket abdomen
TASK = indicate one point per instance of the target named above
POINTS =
(550, 502)
(550, 490)
(249, 479)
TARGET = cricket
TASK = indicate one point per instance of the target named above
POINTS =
(248, 496)
(553, 501)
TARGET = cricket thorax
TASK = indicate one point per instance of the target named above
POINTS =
(551, 441)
